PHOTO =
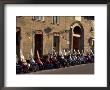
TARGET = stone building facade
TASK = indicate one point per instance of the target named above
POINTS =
(43, 33)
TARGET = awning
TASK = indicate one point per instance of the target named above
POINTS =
(76, 35)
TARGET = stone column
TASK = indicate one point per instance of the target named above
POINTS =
(52, 43)
(44, 36)
(71, 39)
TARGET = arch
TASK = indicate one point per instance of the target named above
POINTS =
(77, 23)
(76, 36)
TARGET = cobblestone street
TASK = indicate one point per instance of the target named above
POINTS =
(77, 69)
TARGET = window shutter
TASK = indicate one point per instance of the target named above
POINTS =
(53, 19)
(58, 19)
(42, 18)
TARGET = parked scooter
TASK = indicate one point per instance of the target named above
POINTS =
(33, 65)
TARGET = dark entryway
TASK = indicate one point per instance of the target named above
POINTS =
(56, 43)
(18, 36)
(38, 44)
(78, 39)
(76, 43)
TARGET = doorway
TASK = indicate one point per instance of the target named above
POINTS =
(38, 44)
(78, 39)
(76, 42)
(56, 43)
(18, 36)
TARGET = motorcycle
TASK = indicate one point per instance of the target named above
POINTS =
(33, 65)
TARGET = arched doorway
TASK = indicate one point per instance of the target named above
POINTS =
(76, 37)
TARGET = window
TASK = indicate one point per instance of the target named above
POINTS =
(91, 30)
(55, 20)
(38, 18)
